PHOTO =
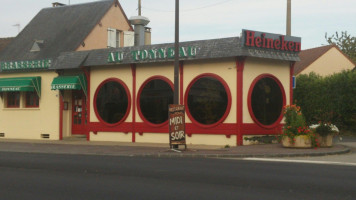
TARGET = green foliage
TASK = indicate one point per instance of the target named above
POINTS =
(345, 42)
(328, 99)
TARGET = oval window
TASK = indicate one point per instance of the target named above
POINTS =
(208, 100)
(154, 97)
(112, 101)
(266, 100)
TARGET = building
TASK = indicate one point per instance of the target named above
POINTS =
(324, 60)
(4, 42)
(29, 108)
(231, 88)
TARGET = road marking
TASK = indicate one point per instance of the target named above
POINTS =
(301, 161)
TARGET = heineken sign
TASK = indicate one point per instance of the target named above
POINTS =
(270, 41)
(20, 65)
(152, 54)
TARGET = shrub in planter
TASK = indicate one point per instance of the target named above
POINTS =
(325, 133)
(295, 131)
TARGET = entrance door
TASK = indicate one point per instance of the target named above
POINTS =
(78, 112)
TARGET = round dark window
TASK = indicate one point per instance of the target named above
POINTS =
(207, 100)
(155, 96)
(112, 102)
(266, 101)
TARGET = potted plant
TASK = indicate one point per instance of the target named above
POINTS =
(296, 133)
(325, 133)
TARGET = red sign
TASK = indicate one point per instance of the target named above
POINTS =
(276, 42)
(176, 125)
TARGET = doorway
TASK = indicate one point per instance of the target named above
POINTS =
(78, 112)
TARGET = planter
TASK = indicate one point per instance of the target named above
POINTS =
(325, 141)
(301, 141)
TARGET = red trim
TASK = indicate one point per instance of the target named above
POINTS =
(240, 65)
(16, 101)
(87, 74)
(222, 81)
(253, 129)
(133, 70)
(275, 124)
(181, 70)
(291, 72)
(61, 106)
(139, 95)
(128, 101)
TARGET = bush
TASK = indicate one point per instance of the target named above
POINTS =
(331, 98)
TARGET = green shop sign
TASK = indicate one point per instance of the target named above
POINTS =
(20, 65)
(152, 54)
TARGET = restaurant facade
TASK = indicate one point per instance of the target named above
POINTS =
(231, 88)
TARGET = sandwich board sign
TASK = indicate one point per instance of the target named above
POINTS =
(176, 125)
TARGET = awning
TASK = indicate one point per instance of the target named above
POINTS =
(18, 84)
(70, 83)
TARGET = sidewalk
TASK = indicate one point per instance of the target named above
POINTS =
(161, 150)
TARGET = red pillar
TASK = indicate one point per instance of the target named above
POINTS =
(133, 71)
(240, 64)
(291, 82)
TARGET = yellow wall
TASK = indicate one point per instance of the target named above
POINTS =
(98, 38)
(30, 123)
(255, 67)
(67, 114)
(333, 61)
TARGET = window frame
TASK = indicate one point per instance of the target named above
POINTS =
(18, 101)
(249, 102)
(165, 79)
(37, 99)
(128, 102)
(228, 106)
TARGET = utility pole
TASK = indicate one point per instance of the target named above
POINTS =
(289, 18)
(176, 56)
(139, 7)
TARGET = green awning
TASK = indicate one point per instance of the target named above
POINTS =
(70, 83)
(21, 84)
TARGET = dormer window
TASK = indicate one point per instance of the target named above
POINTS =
(37, 45)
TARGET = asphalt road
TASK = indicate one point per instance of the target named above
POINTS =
(53, 176)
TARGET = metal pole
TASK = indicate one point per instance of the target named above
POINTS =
(139, 7)
(289, 17)
(176, 56)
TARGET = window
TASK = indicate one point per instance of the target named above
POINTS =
(266, 100)
(111, 102)
(32, 100)
(208, 99)
(154, 97)
(113, 38)
(13, 99)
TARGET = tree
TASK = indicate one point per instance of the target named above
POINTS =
(345, 42)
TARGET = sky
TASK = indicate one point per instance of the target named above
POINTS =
(211, 19)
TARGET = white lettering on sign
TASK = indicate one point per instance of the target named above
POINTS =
(177, 135)
(176, 121)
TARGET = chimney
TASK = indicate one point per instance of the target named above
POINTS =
(57, 4)
(141, 32)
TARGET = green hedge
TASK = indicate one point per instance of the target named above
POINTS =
(331, 98)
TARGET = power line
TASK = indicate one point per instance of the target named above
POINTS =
(188, 10)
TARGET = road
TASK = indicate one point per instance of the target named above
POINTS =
(54, 176)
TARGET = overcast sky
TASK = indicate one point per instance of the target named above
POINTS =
(209, 19)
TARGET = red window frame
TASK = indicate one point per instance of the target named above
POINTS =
(13, 99)
(128, 101)
(32, 97)
(253, 84)
(229, 99)
(170, 83)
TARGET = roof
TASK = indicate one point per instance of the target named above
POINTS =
(61, 28)
(4, 42)
(308, 56)
(205, 49)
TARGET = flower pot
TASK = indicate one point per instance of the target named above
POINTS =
(301, 141)
(325, 141)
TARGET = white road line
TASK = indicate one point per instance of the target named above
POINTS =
(301, 161)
